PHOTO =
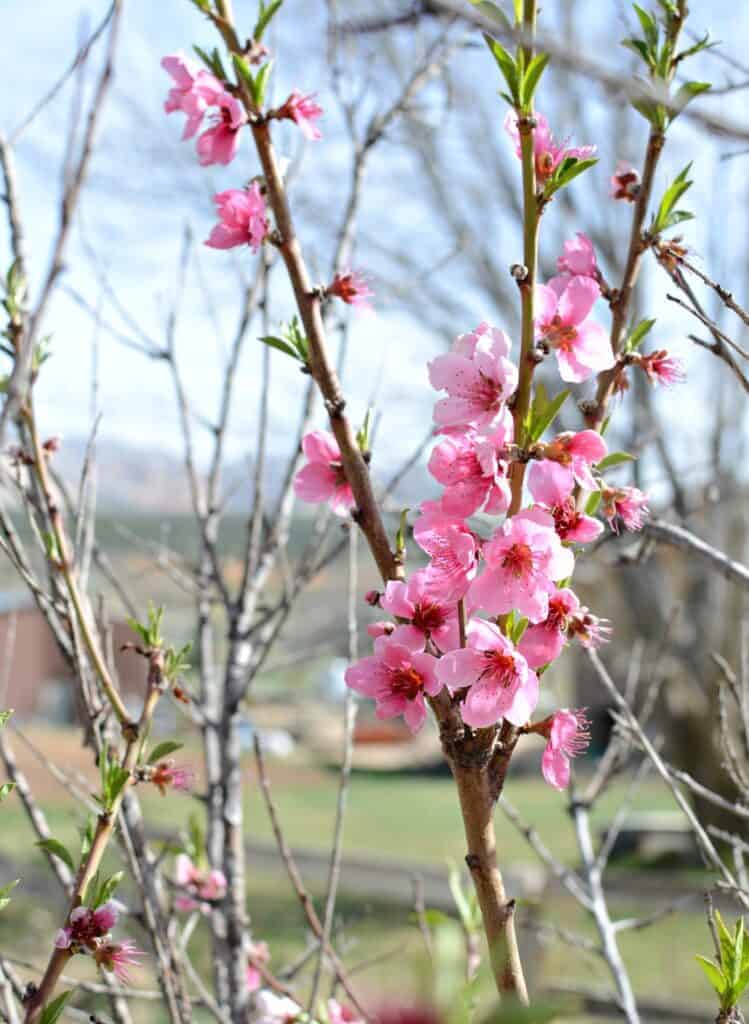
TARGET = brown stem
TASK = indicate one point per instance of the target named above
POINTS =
(497, 912)
(638, 244)
(308, 302)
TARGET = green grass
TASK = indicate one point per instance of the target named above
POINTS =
(394, 817)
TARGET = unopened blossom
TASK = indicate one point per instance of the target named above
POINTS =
(548, 154)
(242, 219)
(219, 143)
(397, 679)
(625, 182)
(304, 112)
(168, 775)
(85, 926)
(471, 468)
(568, 736)
(478, 377)
(567, 461)
(500, 683)
(203, 886)
(581, 346)
(428, 617)
(662, 368)
(323, 478)
(351, 287)
(382, 628)
(524, 559)
(578, 258)
(193, 92)
(543, 641)
(452, 548)
(258, 952)
(118, 957)
(271, 1008)
(627, 505)
(372, 597)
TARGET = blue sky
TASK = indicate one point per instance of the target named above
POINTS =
(145, 185)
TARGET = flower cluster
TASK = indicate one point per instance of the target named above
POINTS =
(510, 588)
(201, 887)
(88, 932)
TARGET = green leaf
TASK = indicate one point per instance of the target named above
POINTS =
(265, 16)
(4, 716)
(567, 171)
(507, 66)
(5, 892)
(106, 889)
(671, 196)
(53, 1011)
(614, 459)
(686, 93)
(6, 789)
(490, 10)
(532, 77)
(202, 5)
(713, 972)
(637, 335)
(591, 505)
(363, 434)
(400, 536)
(543, 412)
(261, 82)
(640, 47)
(243, 72)
(162, 750)
(648, 24)
(677, 217)
(57, 849)
(280, 344)
(701, 44)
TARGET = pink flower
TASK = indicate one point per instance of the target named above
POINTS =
(304, 112)
(567, 461)
(572, 525)
(351, 287)
(543, 642)
(478, 378)
(193, 92)
(397, 679)
(568, 736)
(581, 346)
(118, 957)
(168, 775)
(382, 628)
(219, 144)
(625, 182)
(578, 258)
(501, 685)
(258, 952)
(548, 153)
(428, 616)
(452, 549)
(243, 219)
(662, 368)
(201, 884)
(626, 504)
(323, 478)
(471, 467)
(524, 558)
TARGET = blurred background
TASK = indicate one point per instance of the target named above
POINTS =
(436, 232)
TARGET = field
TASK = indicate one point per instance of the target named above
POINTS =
(389, 819)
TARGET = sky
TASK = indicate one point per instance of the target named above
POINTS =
(145, 186)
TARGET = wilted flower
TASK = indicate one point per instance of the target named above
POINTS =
(304, 112)
(168, 775)
(626, 504)
(351, 287)
(662, 368)
(568, 736)
(118, 957)
(625, 182)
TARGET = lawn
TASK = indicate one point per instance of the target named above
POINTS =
(395, 817)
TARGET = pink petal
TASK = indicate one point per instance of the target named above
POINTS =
(315, 483)
(577, 299)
